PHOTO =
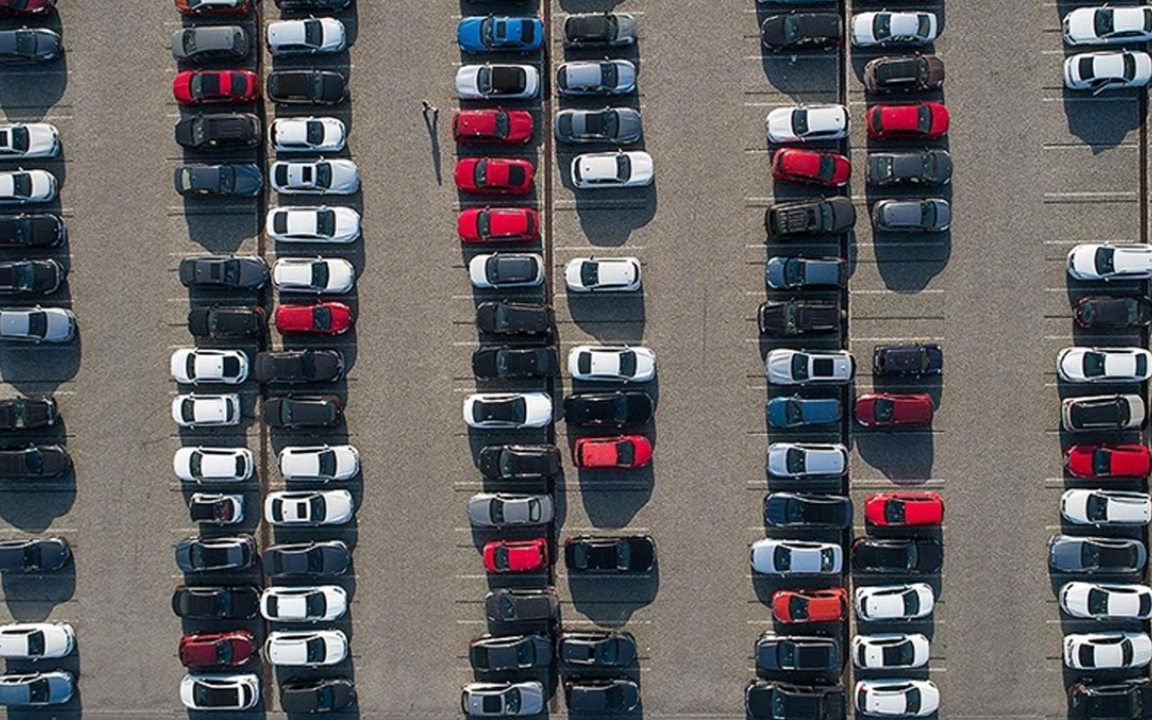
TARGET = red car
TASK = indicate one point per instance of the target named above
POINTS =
(885, 409)
(1101, 461)
(803, 606)
(918, 121)
(807, 166)
(213, 7)
(626, 452)
(497, 176)
(225, 649)
(492, 127)
(26, 7)
(507, 556)
(483, 225)
(902, 509)
(325, 318)
(203, 87)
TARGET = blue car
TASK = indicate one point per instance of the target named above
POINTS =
(795, 411)
(500, 34)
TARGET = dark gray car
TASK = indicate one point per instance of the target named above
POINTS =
(30, 45)
(929, 167)
(26, 277)
(493, 653)
(224, 271)
(327, 557)
(599, 29)
(34, 554)
(517, 605)
(912, 215)
(1071, 554)
(597, 648)
(601, 697)
(210, 42)
(621, 126)
(793, 272)
(777, 653)
(242, 180)
(306, 87)
(201, 554)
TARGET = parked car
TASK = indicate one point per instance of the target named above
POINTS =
(238, 602)
(499, 82)
(300, 411)
(796, 653)
(514, 362)
(498, 33)
(214, 554)
(801, 31)
(242, 180)
(194, 410)
(510, 653)
(316, 695)
(321, 224)
(209, 87)
(28, 140)
(25, 45)
(30, 277)
(611, 363)
(774, 556)
(609, 554)
(880, 603)
(219, 131)
(495, 126)
(504, 510)
(53, 687)
(325, 557)
(1098, 601)
(912, 215)
(787, 509)
(216, 509)
(903, 509)
(222, 649)
(798, 367)
(306, 87)
(234, 272)
(308, 508)
(519, 605)
(619, 169)
(318, 275)
(220, 691)
(306, 37)
(771, 700)
(594, 274)
(885, 29)
(1107, 650)
(315, 177)
(34, 555)
(609, 410)
(807, 123)
(495, 411)
(20, 186)
(514, 318)
(1108, 26)
(506, 270)
(1122, 699)
(617, 125)
(610, 29)
(920, 167)
(322, 318)
(897, 555)
(1103, 412)
(496, 225)
(890, 651)
(826, 169)
(519, 462)
(912, 121)
(595, 77)
(502, 699)
(794, 460)
(321, 463)
(796, 412)
(1076, 554)
(24, 413)
(515, 556)
(622, 452)
(894, 409)
(207, 43)
(210, 8)
(809, 217)
(34, 461)
(897, 698)
(799, 317)
(213, 464)
(601, 696)
(307, 134)
(1103, 461)
(494, 176)
(1109, 70)
(299, 366)
(32, 230)
(306, 648)
(27, 7)
(1099, 312)
(907, 360)
(1116, 365)
(1105, 507)
(807, 606)
(799, 273)
(319, 603)
(226, 321)
(597, 649)
(1103, 261)
(903, 73)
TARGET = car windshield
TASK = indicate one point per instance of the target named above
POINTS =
(882, 25)
(37, 324)
(24, 276)
(827, 170)
(189, 41)
(625, 453)
(1093, 364)
(1096, 508)
(894, 512)
(800, 122)
(627, 363)
(798, 607)
(928, 214)
(525, 654)
(793, 272)
(827, 559)
(1089, 554)
(1097, 602)
(923, 25)
(928, 165)
(512, 701)
(923, 119)
(781, 558)
(320, 274)
(1129, 67)
(1105, 260)
(500, 558)
(793, 412)
(791, 29)
(484, 224)
(313, 33)
(321, 317)
(496, 510)
(315, 650)
(794, 460)
(794, 511)
(314, 132)
(503, 124)
(623, 167)
(589, 274)
(327, 463)
(912, 701)
(608, 74)
(480, 173)
(15, 138)
(799, 366)
(1102, 462)
(326, 223)
(224, 653)
(207, 696)
(911, 603)
(1103, 22)
(484, 79)
(315, 605)
(35, 640)
(623, 555)
(21, 184)
(786, 654)
(884, 167)
(486, 31)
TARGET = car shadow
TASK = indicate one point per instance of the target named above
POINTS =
(904, 457)
(29, 92)
(610, 600)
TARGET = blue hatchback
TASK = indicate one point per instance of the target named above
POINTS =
(500, 34)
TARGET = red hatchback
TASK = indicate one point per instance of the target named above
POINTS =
(485, 225)
(902, 509)
(1101, 461)
(625, 452)
(26, 7)
(807, 166)
(918, 121)
(225, 649)
(886, 409)
(325, 318)
(203, 87)
(492, 127)
(508, 556)
(497, 176)
(805, 606)
(213, 7)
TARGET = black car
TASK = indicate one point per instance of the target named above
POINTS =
(489, 363)
(519, 462)
(30, 45)
(33, 230)
(912, 215)
(327, 557)
(226, 321)
(924, 167)
(310, 5)
(292, 411)
(599, 29)
(801, 31)
(597, 648)
(493, 653)
(609, 554)
(219, 131)
(519, 605)
(1130, 700)
(914, 360)
(897, 555)
(34, 461)
(198, 554)
(27, 413)
(205, 43)
(30, 277)
(216, 603)
(242, 180)
(764, 700)
(306, 87)
(788, 653)
(299, 366)
(799, 317)
(316, 695)
(809, 217)
(224, 271)
(609, 410)
(1098, 312)
(907, 73)
(601, 696)
(786, 509)
(34, 554)
(509, 318)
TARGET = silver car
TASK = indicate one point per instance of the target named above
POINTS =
(28, 140)
(1075, 554)
(621, 126)
(502, 510)
(315, 177)
(597, 77)
(46, 688)
(502, 699)
(37, 324)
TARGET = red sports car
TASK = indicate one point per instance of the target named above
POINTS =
(902, 509)
(507, 556)
(484, 225)
(803, 606)
(325, 318)
(917, 121)
(884, 409)
(807, 166)
(497, 176)
(224, 649)
(1101, 461)
(492, 127)
(213, 7)
(625, 452)
(203, 87)
(26, 7)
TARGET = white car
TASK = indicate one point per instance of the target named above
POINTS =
(308, 508)
(314, 603)
(213, 464)
(1099, 601)
(890, 651)
(1107, 650)
(897, 698)
(1108, 25)
(592, 274)
(307, 134)
(1128, 261)
(27, 186)
(612, 363)
(875, 29)
(28, 140)
(37, 324)
(508, 411)
(772, 556)
(503, 700)
(500, 510)
(37, 640)
(206, 410)
(313, 275)
(1109, 70)
(322, 463)
(796, 460)
(877, 603)
(807, 123)
(1086, 365)
(321, 224)
(506, 270)
(796, 367)
(315, 177)
(220, 691)
(203, 365)
(1106, 507)
(313, 35)
(499, 82)
(620, 169)
(305, 648)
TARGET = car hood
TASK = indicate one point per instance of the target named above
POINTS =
(468, 32)
(1080, 24)
(779, 124)
(466, 79)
